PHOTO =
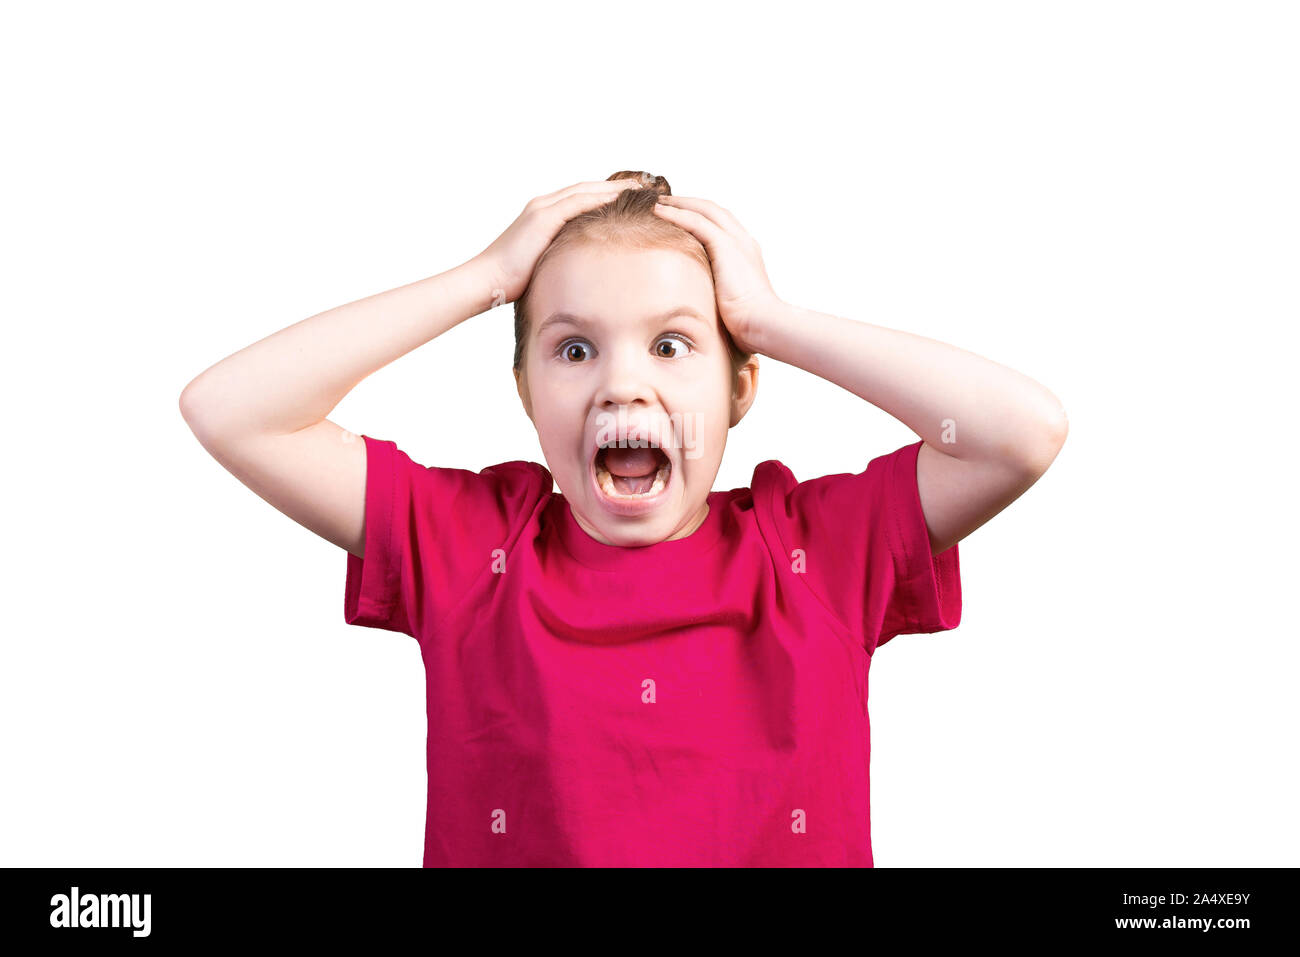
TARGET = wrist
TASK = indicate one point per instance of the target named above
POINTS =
(483, 282)
(481, 276)
(763, 333)
(465, 290)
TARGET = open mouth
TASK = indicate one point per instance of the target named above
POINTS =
(631, 474)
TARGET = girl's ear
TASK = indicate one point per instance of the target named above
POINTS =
(743, 390)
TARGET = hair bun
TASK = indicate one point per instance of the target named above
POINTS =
(647, 180)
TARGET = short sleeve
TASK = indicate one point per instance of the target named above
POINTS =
(430, 533)
(860, 543)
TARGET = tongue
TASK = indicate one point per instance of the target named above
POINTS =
(632, 470)
(631, 463)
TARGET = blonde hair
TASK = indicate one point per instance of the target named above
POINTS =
(628, 221)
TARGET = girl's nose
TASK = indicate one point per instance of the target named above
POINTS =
(625, 380)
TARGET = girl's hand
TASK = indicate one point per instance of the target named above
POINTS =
(744, 293)
(511, 257)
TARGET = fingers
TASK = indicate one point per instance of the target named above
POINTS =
(575, 203)
(710, 210)
(703, 228)
(596, 187)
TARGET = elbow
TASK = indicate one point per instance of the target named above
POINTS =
(196, 410)
(189, 404)
(1039, 454)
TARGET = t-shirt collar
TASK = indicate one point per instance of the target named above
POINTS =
(587, 551)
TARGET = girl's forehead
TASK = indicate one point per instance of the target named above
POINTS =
(609, 288)
(597, 270)
(683, 314)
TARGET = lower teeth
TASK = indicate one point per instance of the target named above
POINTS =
(606, 482)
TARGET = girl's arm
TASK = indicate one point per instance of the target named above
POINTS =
(989, 432)
(261, 412)
(293, 378)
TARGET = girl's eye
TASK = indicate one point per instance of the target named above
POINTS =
(574, 351)
(670, 353)
(666, 347)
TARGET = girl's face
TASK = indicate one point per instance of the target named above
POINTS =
(625, 349)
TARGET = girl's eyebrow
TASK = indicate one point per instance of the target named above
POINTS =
(568, 318)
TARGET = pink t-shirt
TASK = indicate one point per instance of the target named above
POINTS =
(696, 702)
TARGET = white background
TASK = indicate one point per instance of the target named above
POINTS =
(1100, 195)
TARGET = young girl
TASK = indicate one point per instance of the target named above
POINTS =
(636, 670)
